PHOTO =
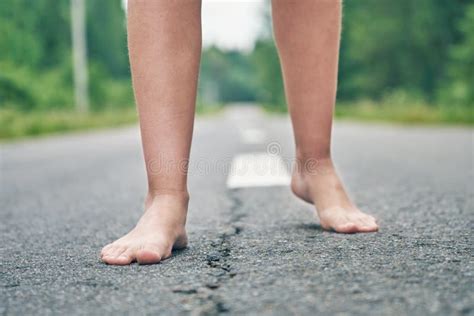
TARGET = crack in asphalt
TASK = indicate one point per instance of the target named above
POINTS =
(219, 261)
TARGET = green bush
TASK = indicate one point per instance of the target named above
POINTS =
(25, 89)
(11, 92)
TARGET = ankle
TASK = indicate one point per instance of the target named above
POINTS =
(177, 197)
(320, 154)
(313, 165)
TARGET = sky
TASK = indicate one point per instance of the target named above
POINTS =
(231, 24)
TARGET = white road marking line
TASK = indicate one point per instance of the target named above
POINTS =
(257, 170)
(252, 135)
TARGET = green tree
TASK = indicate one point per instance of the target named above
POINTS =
(107, 36)
(226, 76)
(34, 33)
(459, 86)
(269, 78)
(35, 54)
(389, 45)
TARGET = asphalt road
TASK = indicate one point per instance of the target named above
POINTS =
(252, 250)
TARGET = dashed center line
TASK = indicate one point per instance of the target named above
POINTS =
(257, 170)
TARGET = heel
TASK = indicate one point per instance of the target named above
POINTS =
(181, 242)
(299, 189)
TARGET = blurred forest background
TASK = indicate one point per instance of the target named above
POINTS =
(404, 60)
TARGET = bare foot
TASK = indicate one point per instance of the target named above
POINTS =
(320, 185)
(160, 229)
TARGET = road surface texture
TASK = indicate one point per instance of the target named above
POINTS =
(253, 250)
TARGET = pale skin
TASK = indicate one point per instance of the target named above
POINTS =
(165, 46)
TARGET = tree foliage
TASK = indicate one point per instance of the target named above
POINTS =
(35, 54)
(422, 49)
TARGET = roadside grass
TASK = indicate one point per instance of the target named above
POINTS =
(416, 113)
(20, 124)
(409, 112)
(16, 124)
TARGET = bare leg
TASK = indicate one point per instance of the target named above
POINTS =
(165, 47)
(307, 35)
